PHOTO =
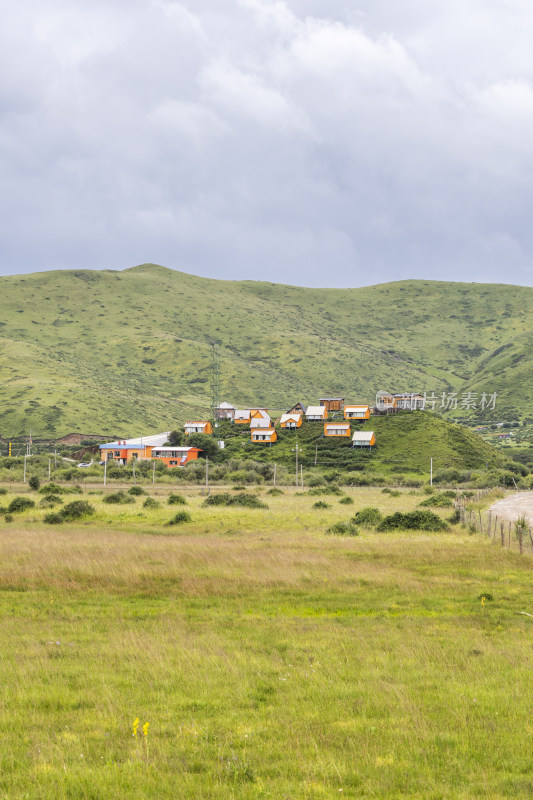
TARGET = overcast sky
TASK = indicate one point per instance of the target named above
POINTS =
(317, 142)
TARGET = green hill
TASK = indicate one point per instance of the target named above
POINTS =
(118, 352)
(405, 442)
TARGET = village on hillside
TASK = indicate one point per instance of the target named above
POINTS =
(335, 415)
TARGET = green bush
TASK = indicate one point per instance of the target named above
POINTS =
(151, 503)
(118, 497)
(392, 492)
(34, 483)
(320, 504)
(136, 491)
(2, 490)
(242, 499)
(343, 529)
(346, 501)
(76, 510)
(331, 489)
(438, 500)
(72, 511)
(455, 517)
(20, 504)
(368, 516)
(176, 500)
(180, 518)
(54, 518)
(413, 520)
(275, 492)
(8, 517)
(53, 488)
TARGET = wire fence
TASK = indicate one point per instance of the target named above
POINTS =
(512, 534)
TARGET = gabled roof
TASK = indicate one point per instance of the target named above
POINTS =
(226, 406)
(345, 425)
(156, 440)
(196, 424)
(289, 418)
(356, 408)
(243, 413)
(294, 406)
(320, 399)
(315, 411)
(362, 436)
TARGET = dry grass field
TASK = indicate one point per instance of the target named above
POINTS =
(270, 660)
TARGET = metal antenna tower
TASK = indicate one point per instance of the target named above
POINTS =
(215, 381)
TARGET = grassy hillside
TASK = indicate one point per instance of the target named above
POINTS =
(406, 442)
(115, 352)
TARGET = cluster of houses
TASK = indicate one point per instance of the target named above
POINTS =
(262, 427)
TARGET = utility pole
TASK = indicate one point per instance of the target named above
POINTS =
(153, 474)
(215, 383)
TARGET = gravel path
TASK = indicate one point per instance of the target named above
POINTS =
(514, 506)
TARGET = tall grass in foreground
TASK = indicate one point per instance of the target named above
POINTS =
(269, 659)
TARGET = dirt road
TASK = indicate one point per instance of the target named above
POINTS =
(514, 506)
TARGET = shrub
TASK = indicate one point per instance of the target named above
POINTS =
(180, 518)
(238, 488)
(320, 504)
(438, 500)
(76, 510)
(413, 520)
(218, 499)
(2, 490)
(8, 517)
(20, 504)
(118, 497)
(275, 492)
(34, 483)
(53, 488)
(151, 503)
(343, 529)
(331, 489)
(136, 491)
(242, 499)
(346, 501)
(368, 516)
(455, 517)
(54, 518)
(392, 492)
(176, 500)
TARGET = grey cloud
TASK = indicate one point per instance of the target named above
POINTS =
(305, 142)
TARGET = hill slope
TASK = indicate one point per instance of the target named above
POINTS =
(113, 352)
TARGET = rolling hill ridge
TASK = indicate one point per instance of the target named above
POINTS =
(110, 352)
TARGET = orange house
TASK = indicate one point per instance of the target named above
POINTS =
(197, 427)
(337, 429)
(356, 412)
(291, 421)
(242, 417)
(264, 435)
(316, 413)
(124, 451)
(332, 403)
(364, 439)
(175, 456)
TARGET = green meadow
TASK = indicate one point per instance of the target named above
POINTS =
(264, 657)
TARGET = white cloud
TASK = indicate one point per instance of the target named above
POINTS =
(360, 144)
